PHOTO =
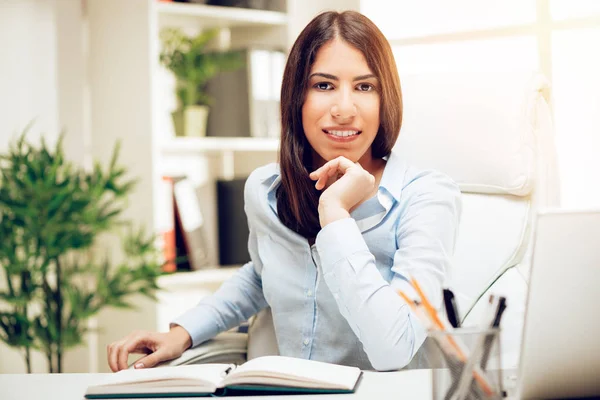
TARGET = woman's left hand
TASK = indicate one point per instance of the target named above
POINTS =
(349, 184)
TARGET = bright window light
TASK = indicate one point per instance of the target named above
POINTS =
(503, 54)
(563, 9)
(576, 92)
(407, 19)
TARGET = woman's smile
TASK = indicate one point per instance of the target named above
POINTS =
(342, 134)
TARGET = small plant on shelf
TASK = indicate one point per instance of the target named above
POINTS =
(193, 65)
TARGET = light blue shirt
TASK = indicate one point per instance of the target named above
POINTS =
(336, 301)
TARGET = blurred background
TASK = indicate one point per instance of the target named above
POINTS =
(191, 91)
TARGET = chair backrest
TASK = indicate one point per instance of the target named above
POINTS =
(492, 133)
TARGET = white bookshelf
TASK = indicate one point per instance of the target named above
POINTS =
(216, 16)
(187, 145)
(209, 277)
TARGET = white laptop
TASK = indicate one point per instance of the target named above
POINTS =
(560, 354)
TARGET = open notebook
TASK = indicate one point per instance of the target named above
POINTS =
(261, 375)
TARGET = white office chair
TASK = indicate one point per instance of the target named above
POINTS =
(492, 133)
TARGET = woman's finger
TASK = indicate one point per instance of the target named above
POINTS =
(151, 360)
(328, 176)
(113, 350)
(342, 164)
(122, 355)
(321, 175)
(337, 166)
(322, 181)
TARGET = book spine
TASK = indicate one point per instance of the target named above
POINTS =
(167, 225)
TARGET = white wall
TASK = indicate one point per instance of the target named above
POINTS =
(35, 37)
(28, 87)
(302, 11)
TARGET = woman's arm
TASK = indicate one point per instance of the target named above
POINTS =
(238, 298)
(426, 234)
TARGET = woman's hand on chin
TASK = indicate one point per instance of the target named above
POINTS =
(346, 185)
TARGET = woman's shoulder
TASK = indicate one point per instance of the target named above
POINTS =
(407, 180)
(260, 182)
(263, 176)
(420, 182)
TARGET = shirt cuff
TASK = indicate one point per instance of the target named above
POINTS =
(199, 324)
(338, 241)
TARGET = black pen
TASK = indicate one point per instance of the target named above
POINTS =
(490, 338)
(451, 310)
(499, 311)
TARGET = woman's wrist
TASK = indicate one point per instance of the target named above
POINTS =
(330, 212)
(181, 336)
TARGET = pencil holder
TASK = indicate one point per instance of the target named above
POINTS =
(471, 364)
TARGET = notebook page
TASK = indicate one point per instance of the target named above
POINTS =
(297, 370)
(209, 373)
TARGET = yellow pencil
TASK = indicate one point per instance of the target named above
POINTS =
(438, 322)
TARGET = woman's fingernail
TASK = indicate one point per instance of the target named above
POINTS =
(138, 365)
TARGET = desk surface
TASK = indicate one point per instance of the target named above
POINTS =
(413, 384)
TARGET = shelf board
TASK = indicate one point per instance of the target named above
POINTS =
(213, 275)
(219, 144)
(218, 16)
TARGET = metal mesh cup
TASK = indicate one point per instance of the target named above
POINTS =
(471, 364)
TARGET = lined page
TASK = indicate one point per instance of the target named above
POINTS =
(297, 370)
(209, 373)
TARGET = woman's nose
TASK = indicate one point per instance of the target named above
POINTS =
(343, 106)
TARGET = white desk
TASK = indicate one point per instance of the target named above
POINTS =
(413, 385)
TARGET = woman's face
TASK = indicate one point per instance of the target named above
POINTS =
(340, 115)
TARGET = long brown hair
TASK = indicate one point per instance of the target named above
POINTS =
(297, 198)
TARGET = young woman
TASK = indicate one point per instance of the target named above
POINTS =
(339, 224)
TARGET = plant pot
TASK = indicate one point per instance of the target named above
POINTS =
(177, 117)
(191, 121)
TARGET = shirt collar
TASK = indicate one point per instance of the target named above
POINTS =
(392, 179)
(390, 185)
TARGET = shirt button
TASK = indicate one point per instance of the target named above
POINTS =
(306, 342)
(309, 293)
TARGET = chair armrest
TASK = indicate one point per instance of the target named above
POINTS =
(226, 348)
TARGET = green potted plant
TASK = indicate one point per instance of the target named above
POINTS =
(54, 275)
(193, 66)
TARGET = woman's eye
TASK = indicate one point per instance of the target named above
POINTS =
(365, 87)
(324, 86)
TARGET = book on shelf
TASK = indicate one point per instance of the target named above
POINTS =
(262, 375)
(166, 224)
(232, 222)
(189, 212)
(182, 226)
(251, 93)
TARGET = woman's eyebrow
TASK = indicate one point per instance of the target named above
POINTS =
(335, 78)
(363, 77)
(323, 75)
